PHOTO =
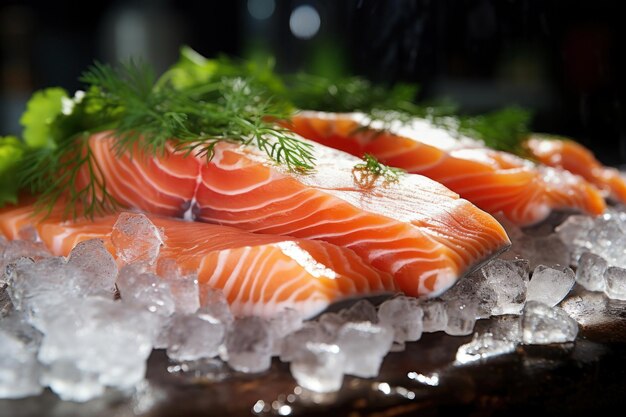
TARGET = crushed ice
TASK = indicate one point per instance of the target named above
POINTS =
(88, 323)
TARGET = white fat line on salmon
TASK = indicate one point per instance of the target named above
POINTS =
(399, 264)
(249, 281)
(271, 178)
(284, 293)
(445, 278)
(230, 280)
(326, 204)
(82, 236)
(222, 258)
(278, 268)
(304, 259)
(145, 176)
(266, 271)
(57, 241)
(190, 213)
(126, 200)
(260, 206)
(374, 254)
(251, 153)
(323, 222)
(168, 171)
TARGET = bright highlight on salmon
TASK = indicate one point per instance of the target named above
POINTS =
(495, 181)
(574, 157)
(259, 274)
(414, 228)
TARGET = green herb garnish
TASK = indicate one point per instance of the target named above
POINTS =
(11, 157)
(375, 169)
(196, 105)
(504, 129)
(347, 94)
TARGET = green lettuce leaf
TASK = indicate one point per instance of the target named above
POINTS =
(11, 155)
(193, 70)
(41, 111)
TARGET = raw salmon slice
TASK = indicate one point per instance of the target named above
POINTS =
(415, 229)
(259, 274)
(495, 181)
(575, 158)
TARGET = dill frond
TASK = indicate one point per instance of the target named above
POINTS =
(373, 169)
(145, 114)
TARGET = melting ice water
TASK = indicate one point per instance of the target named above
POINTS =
(62, 327)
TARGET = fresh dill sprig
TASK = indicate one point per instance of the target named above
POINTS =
(144, 114)
(229, 109)
(374, 168)
(349, 94)
(503, 129)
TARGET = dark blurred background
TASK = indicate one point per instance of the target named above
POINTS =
(561, 59)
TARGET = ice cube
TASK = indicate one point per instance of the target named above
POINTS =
(103, 337)
(365, 345)
(494, 337)
(435, 317)
(605, 232)
(17, 249)
(19, 327)
(19, 369)
(362, 310)
(329, 325)
(185, 292)
(483, 346)
(522, 265)
(70, 383)
(6, 305)
(542, 324)
(191, 337)
(509, 284)
(284, 323)
(319, 367)
(574, 231)
(474, 287)
(615, 282)
(505, 328)
(297, 341)
(461, 316)
(7, 275)
(145, 289)
(405, 316)
(98, 267)
(249, 345)
(550, 285)
(37, 287)
(590, 271)
(214, 303)
(136, 238)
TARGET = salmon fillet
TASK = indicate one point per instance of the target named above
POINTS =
(415, 229)
(495, 181)
(575, 158)
(259, 274)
